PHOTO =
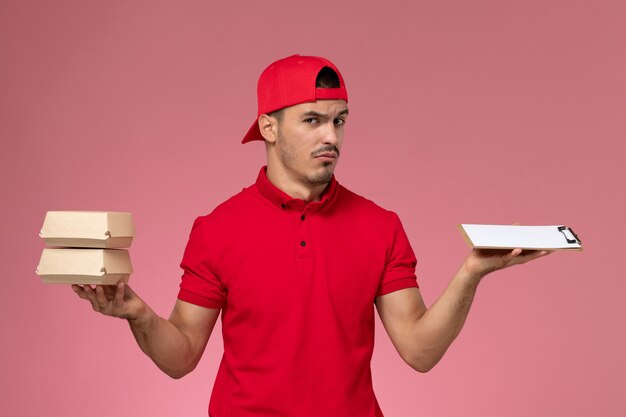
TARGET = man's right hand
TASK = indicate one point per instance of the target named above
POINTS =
(174, 345)
(117, 301)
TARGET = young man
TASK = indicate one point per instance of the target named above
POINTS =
(296, 263)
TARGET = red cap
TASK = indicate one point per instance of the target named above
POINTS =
(290, 81)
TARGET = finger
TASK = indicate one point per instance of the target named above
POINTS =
(118, 300)
(89, 292)
(109, 291)
(128, 292)
(542, 253)
(100, 297)
(536, 253)
(530, 255)
(90, 295)
(512, 258)
(79, 291)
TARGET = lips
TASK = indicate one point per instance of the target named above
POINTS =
(327, 155)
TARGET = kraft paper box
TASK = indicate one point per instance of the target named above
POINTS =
(84, 266)
(88, 229)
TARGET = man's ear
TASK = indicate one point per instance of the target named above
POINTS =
(268, 126)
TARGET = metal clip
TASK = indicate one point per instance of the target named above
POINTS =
(572, 238)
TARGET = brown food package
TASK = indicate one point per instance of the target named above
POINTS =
(84, 266)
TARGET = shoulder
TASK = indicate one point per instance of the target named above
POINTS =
(360, 204)
(360, 216)
(231, 208)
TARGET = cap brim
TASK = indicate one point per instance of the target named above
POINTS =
(253, 133)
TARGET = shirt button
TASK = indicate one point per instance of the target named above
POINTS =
(284, 206)
(302, 217)
(303, 243)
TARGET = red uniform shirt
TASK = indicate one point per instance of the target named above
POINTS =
(296, 283)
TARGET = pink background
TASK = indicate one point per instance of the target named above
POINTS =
(461, 112)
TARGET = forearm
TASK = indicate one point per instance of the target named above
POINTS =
(434, 332)
(422, 335)
(167, 345)
(174, 345)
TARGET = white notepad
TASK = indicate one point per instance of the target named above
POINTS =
(491, 236)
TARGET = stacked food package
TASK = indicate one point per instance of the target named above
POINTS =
(86, 247)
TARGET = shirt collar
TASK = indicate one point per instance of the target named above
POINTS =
(283, 200)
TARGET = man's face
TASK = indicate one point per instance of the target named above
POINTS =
(309, 140)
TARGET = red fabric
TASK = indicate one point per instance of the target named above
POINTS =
(297, 298)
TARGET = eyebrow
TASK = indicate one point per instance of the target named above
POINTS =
(323, 115)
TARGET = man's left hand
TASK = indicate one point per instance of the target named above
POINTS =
(480, 262)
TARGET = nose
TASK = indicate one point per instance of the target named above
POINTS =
(330, 134)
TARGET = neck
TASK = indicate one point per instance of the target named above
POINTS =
(282, 179)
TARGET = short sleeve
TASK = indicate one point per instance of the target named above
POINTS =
(399, 270)
(199, 284)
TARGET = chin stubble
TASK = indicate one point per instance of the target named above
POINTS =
(319, 178)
